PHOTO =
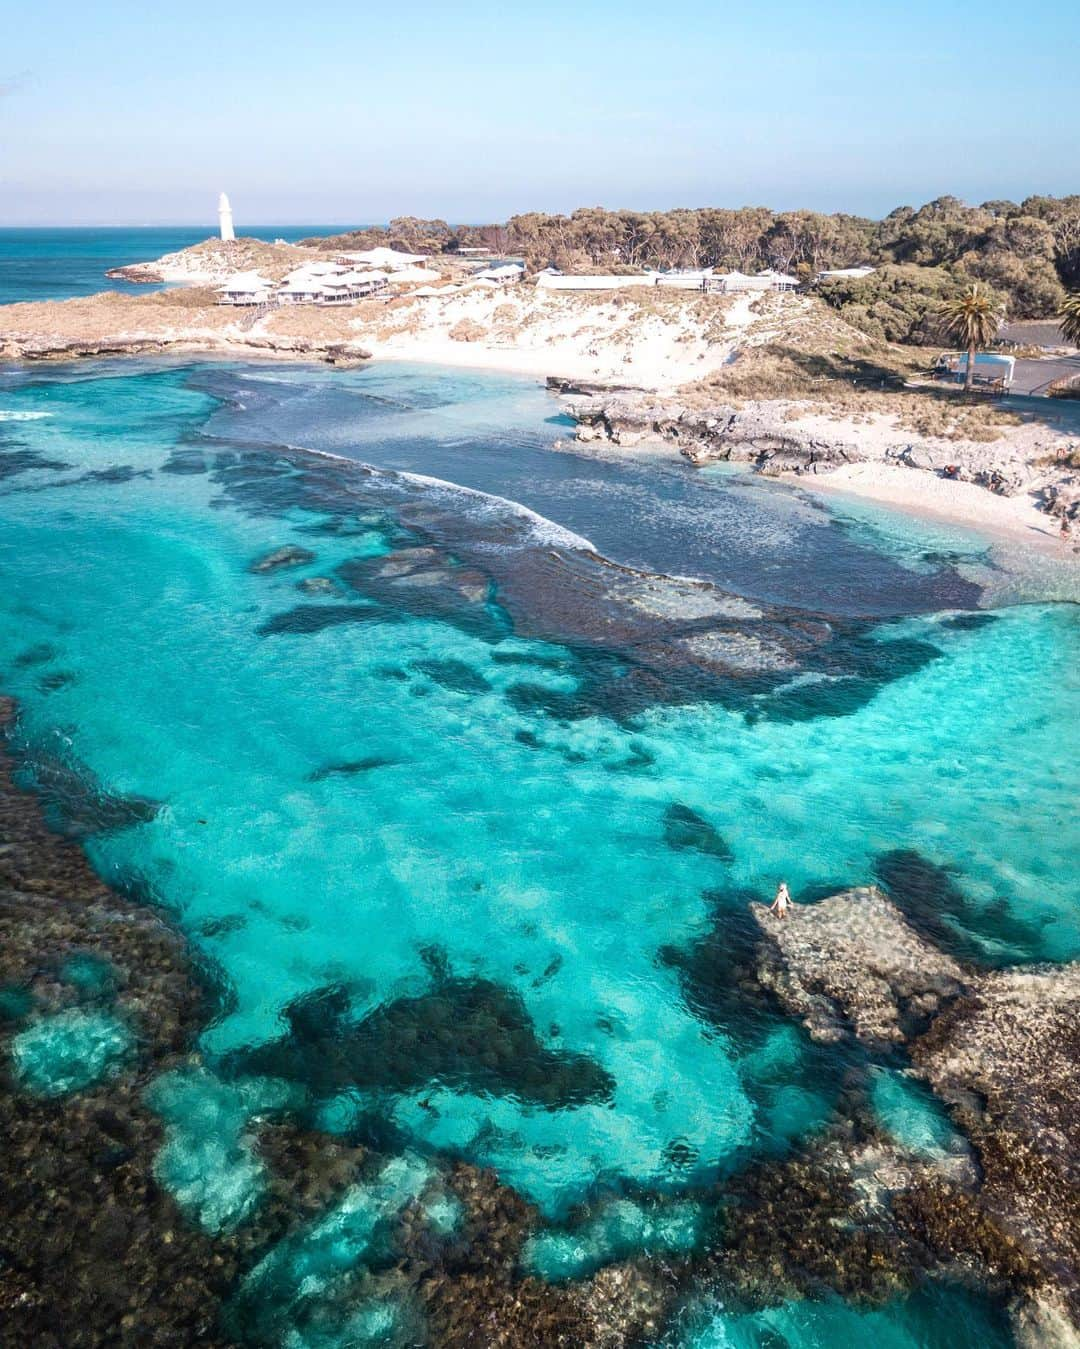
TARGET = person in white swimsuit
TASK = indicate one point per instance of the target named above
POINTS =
(782, 902)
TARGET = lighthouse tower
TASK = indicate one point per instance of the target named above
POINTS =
(224, 211)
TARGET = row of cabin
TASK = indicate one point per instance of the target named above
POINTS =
(346, 279)
(304, 285)
(703, 279)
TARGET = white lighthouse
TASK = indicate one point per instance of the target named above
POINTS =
(224, 211)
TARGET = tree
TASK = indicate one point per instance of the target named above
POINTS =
(1070, 319)
(972, 319)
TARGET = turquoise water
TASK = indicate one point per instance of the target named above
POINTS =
(933, 1318)
(58, 264)
(368, 817)
(59, 1054)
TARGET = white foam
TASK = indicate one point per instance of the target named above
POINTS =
(11, 416)
(542, 530)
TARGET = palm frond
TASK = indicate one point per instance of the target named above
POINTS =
(971, 318)
(1070, 318)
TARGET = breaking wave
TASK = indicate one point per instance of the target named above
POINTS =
(468, 503)
(486, 505)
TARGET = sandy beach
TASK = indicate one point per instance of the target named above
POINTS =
(661, 349)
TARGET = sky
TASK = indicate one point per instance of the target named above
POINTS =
(136, 113)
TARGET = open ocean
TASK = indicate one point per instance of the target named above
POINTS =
(57, 264)
(470, 884)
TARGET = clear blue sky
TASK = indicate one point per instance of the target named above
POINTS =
(133, 113)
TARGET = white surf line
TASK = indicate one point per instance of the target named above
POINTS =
(548, 531)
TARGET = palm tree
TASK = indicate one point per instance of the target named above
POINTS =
(1070, 318)
(972, 319)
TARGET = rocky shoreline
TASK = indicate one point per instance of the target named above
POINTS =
(777, 437)
(234, 344)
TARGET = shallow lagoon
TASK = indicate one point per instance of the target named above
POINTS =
(368, 808)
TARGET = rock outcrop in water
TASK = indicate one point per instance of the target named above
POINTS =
(1001, 1050)
(1006, 1058)
(851, 964)
(757, 434)
(288, 555)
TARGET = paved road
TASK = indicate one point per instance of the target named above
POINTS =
(1032, 377)
(1033, 332)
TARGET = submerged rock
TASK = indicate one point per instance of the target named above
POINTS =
(851, 964)
(289, 555)
(77, 804)
(936, 906)
(427, 582)
(685, 828)
(350, 767)
(307, 619)
(318, 585)
(456, 675)
(94, 1251)
(467, 1034)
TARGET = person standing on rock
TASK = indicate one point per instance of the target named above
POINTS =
(782, 902)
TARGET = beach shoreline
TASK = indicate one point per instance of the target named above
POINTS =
(639, 366)
(923, 494)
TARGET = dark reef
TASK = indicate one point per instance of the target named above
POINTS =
(466, 1034)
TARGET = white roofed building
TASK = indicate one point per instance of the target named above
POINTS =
(779, 280)
(845, 273)
(245, 288)
(329, 283)
(731, 283)
(409, 275)
(503, 274)
(684, 278)
(552, 280)
(350, 286)
(386, 259)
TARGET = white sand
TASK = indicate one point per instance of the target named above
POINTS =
(921, 493)
(635, 338)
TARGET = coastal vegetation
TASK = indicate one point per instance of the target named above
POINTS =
(972, 319)
(1070, 319)
(1027, 253)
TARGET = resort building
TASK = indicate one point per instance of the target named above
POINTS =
(328, 284)
(683, 278)
(551, 280)
(731, 283)
(504, 274)
(845, 273)
(315, 283)
(385, 259)
(245, 288)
